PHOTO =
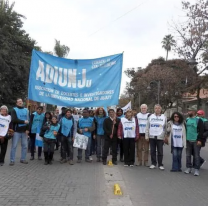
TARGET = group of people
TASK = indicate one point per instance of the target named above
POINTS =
(112, 132)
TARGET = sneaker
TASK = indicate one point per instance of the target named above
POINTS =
(201, 165)
(79, 161)
(98, 159)
(50, 162)
(90, 157)
(173, 170)
(39, 158)
(23, 161)
(187, 171)
(161, 168)
(152, 167)
(196, 172)
(125, 165)
(31, 158)
(63, 161)
(139, 163)
(180, 170)
(146, 164)
(11, 163)
(71, 162)
(131, 165)
(88, 160)
(114, 162)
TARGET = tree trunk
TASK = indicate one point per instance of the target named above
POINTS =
(198, 97)
(167, 55)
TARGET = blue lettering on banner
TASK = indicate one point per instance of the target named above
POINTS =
(80, 83)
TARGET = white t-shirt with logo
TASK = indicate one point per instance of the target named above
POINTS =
(177, 135)
(142, 121)
(129, 127)
(157, 123)
(4, 124)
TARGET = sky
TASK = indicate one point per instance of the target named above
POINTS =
(96, 28)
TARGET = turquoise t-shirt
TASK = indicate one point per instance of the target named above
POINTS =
(191, 129)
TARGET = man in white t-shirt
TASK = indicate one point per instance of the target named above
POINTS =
(142, 144)
(155, 133)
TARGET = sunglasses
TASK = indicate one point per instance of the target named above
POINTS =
(176, 116)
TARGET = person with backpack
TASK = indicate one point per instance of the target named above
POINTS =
(201, 115)
(67, 136)
(194, 137)
(36, 122)
(176, 137)
(50, 130)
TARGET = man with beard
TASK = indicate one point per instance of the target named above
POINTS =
(194, 136)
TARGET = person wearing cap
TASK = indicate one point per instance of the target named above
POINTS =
(155, 133)
(194, 137)
(5, 134)
(128, 129)
(20, 116)
(201, 115)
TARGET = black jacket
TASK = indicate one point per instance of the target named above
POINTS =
(108, 126)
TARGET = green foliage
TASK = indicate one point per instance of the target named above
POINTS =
(61, 50)
(15, 55)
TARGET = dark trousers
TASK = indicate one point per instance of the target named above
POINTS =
(156, 144)
(177, 155)
(129, 150)
(192, 149)
(93, 147)
(121, 146)
(113, 143)
(67, 147)
(32, 145)
(3, 146)
(48, 149)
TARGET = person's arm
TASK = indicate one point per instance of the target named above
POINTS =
(147, 130)
(31, 121)
(91, 129)
(120, 130)
(15, 120)
(137, 131)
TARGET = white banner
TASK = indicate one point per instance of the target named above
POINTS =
(128, 106)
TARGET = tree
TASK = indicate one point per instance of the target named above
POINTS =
(167, 43)
(61, 50)
(173, 76)
(15, 55)
(192, 40)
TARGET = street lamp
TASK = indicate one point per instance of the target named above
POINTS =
(158, 89)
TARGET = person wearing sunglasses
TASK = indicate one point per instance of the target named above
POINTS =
(176, 136)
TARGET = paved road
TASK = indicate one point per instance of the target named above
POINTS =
(92, 184)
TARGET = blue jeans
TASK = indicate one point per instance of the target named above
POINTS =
(177, 155)
(15, 139)
(192, 149)
(87, 151)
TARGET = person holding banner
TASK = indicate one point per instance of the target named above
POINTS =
(50, 130)
(85, 126)
(142, 144)
(5, 132)
(67, 136)
(36, 121)
(128, 129)
(21, 130)
(100, 116)
(110, 127)
(155, 133)
(119, 113)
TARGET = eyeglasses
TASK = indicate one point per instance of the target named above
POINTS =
(176, 116)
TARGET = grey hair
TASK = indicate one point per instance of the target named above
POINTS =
(144, 105)
(4, 107)
(157, 105)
